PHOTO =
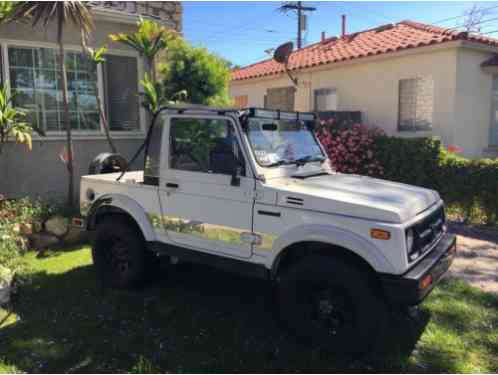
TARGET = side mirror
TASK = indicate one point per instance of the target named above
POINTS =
(235, 181)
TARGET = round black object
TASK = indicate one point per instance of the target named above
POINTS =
(332, 304)
(107, 163)
(119, 253)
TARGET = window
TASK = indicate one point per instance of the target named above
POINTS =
(325, 100)
(35, 78)
(280, 98)
(121, 90)
(204, 145)
(416, 104)
(241, 101)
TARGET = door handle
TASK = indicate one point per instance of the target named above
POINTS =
(171, 185)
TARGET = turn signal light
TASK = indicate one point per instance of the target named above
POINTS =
(380, 234)
(425, 282)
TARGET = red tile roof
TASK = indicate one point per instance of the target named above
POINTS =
(377, 41)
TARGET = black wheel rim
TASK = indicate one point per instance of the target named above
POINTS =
(117, 257)
(329, 309)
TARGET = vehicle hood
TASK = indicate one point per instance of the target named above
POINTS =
(353, 195)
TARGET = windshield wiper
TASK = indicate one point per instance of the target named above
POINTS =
(278, 163)
(308, 159)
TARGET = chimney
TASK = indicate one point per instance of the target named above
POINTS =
(323, 36)
(343, 33)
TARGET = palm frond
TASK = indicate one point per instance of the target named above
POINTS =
(44, 12)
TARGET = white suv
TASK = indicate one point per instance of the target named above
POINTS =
(252, 191)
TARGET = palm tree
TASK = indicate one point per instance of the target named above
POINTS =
(61, 12)
(149, 40)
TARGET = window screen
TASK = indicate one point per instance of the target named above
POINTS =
(204, 145)
(325, 100)
(122, 94)
(416, 104)
(280, 98)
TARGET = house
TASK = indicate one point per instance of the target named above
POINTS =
(27, 65)
(409, 78)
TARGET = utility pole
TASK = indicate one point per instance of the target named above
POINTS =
(298, 7)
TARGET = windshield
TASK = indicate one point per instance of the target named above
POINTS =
(277, 142)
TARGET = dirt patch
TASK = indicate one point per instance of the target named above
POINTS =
(477, 257)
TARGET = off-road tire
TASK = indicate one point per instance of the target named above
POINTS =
(119, 253)
(351, 315)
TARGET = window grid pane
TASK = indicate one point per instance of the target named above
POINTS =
(36, 79)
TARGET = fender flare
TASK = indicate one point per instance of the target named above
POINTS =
(333, 236)
(126, 205)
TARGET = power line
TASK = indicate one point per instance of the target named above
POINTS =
(299, 8)
(462, 15)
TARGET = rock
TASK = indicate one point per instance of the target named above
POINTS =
(26, 229)
(57, 225)
(75, 235)
(41, 241)
(6, 278)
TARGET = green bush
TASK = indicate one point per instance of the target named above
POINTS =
(18, 218)
(469, 186)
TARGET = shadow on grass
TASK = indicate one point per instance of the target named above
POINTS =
(190, 319)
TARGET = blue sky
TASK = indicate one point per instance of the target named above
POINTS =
(242, 31)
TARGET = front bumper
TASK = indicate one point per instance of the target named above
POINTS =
(412, 287)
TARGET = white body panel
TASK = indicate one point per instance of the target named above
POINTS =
(205, 213)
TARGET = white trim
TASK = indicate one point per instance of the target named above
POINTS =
(96, 134)
(5, 68)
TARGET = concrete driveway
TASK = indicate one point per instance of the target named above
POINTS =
(477, 257)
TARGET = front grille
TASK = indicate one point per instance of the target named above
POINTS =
(427, 232)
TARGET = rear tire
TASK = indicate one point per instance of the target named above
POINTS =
(119, 253)
(329, 303)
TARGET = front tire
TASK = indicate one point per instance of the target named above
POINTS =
(119, 253)
(329, 303)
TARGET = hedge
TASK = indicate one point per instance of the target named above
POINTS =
(469, 185)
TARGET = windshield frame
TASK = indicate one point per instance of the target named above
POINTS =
(293, 162)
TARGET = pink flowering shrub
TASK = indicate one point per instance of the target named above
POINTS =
(352, 149)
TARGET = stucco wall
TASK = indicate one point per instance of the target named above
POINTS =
(99, 37)
(41, 172)
(372, 88)
(473, 102)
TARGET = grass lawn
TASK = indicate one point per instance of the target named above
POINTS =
(195, 319)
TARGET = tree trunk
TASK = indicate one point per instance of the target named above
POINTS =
(105, 123)
(67, 125)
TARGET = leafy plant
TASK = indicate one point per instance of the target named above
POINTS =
(150, 39)
(351, 150)
(203, 76)
(469, 187)
(12, 122)
(19, 218)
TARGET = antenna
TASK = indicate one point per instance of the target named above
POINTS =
(282, 55)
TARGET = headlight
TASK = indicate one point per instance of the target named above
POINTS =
(409, 240)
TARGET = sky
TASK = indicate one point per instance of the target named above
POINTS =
(242, 31)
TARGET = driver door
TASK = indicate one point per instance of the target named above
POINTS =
(204, 206)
